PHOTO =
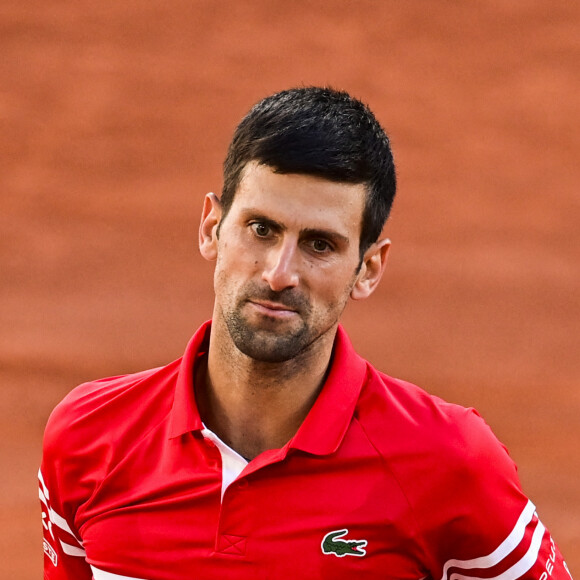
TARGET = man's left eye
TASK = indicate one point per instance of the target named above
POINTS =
(320, 246)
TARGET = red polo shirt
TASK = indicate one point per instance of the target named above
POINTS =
(381, 480)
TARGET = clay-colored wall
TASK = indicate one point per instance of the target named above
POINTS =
(114, 119)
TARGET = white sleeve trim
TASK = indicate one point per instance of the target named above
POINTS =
(61, 523)
(504, 549)
(521, 567)
(72, 550)
(53, 517)
(44, 488)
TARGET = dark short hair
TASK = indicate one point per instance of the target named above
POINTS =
(320, 132)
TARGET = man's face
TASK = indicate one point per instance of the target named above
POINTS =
(287, 260)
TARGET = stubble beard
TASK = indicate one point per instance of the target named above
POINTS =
(270, 341)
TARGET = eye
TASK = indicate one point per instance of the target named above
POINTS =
(261, 229)
(320, 246)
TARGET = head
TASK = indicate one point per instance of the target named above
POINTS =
(308, 184)
(318, 132)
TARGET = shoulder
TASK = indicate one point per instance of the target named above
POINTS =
(458, 478)
(400, 414)
(430, 445)
(98, 412)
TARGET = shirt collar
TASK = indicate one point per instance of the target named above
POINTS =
(325, 425)
(327, 422)
(184, 414)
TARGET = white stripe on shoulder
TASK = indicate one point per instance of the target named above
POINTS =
(503, 550)
(102, 575)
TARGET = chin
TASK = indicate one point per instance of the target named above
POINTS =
(270, 347)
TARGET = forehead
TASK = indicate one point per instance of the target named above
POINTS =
(298, 199)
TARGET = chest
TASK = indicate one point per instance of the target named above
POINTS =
(162, 516)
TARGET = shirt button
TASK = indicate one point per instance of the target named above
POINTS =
(242, 484)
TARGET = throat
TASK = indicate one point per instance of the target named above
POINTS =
(253, 416)
(254, 406)
(253, 424)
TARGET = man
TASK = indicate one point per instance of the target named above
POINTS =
(270, 449)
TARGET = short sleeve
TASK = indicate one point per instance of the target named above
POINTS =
(485, 526)
(59, 493)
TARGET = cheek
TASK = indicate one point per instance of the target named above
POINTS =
(334, 290)
(233, 268)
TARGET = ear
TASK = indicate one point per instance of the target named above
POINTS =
(371, 270)
(210, 219)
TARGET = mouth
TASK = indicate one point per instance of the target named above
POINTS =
(272, 309)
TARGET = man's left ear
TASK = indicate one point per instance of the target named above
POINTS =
(371, 270)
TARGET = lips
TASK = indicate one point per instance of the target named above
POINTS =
(274, 309)
(273, 305)
(288, 302)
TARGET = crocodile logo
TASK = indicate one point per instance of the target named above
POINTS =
(334, 544)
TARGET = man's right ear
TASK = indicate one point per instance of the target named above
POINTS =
(210, 219)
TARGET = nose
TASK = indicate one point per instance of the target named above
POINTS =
(281, 270)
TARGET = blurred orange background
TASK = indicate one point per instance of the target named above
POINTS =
(114, 121)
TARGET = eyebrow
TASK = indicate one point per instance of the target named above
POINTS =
(329, 234)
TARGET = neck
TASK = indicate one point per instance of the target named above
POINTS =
(254, 406)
